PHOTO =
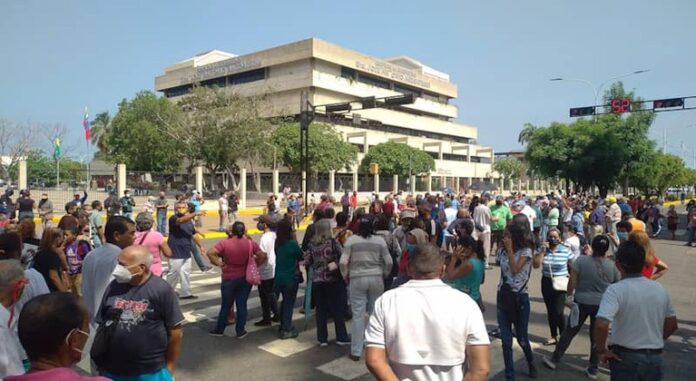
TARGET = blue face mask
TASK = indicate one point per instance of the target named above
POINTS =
(410, 247)
(623, 236)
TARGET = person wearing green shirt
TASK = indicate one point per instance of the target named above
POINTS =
(466, 270)
(287, 275)
(500, 216)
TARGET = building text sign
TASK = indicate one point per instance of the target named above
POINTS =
(226, 67)
(392, 71)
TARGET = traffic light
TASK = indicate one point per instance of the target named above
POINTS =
(582, 111)
(368, 102)
(374, 168)
(668, 103)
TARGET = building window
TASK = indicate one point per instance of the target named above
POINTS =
(177, 91)
(407, 90)
(348, 73)
(435, 98)
(247, 76)
(214, 82)
(374, 81)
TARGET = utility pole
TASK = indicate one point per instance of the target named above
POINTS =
(306, 116)
(664, 141)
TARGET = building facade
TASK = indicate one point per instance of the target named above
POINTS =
(333, 74)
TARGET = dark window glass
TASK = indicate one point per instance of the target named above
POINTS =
(177, 91)
(374, 81)
(247, 76)
(407, 90)
(347, 72)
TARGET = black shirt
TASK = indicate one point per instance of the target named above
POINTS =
(150, 310)
(180, 238)
(44, 262)
(25, 204)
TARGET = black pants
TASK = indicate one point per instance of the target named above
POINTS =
(586, 310)
(330, 299)
(269, 303)
(346, 209)
(555, 301)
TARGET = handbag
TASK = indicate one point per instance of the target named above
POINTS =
(253, 276)
(559, 283)
(102, 339)
(508, 300)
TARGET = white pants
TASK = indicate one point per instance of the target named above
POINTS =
(180, 271)
(485, 238)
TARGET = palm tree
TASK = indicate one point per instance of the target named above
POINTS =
(101, 126)
(526, 134)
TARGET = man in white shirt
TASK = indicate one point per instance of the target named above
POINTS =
(522, 207)
(12, 282)
(443, 331)
(269, 303)
(223, 206)
(641, 316)
(482, 217)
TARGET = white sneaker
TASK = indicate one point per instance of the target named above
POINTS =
(549, 364)
(590, 375)
(323, 344)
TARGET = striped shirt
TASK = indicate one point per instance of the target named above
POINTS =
(556, 261)
(365, 257)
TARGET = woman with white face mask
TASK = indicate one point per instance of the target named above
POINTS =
(53, 329)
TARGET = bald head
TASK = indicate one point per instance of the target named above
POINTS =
(135, 255)
(11, 272)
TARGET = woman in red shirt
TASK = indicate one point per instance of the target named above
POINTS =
(233, 255)
(654, 267)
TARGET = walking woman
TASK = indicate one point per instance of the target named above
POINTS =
(589, 278)
(364, 264)
(555, 265)
(233, 255)
(287, 275)
(323, 255)
(465, 270)
(512, 299)
(654, 267)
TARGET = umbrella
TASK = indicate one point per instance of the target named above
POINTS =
(308, 297)
(483, 186)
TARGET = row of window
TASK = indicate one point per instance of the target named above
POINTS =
(445, 156)
(367, 79)
(230, 80)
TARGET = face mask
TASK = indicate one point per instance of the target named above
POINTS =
(67, 339)
(623, 236)
(121, 274)
(182, 211)
(554, 241)
(161, 197)
(411, 247)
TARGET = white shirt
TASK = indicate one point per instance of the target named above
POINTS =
(267, 245)
(222, 201)
(482, 216)
(36, 286)
(431, 343)
(10, 354)
(573, 243)
(637, 308)
(531, 215)
(96, 276)
(450, 215)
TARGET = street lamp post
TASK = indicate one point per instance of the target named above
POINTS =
(597, 89)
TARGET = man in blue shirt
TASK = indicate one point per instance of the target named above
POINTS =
(182, 237)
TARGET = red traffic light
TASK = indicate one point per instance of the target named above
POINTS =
(668, 103)
(621, 105)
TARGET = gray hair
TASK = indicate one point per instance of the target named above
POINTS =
(426, 261)
(143, 221)
(322, 232)
(10, 270)
(551, 230)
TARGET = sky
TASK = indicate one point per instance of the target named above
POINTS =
(58, 57)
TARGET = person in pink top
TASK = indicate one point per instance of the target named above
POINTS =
(153, 240)
(53, 329)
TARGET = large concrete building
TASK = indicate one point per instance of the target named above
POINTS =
(333, 74)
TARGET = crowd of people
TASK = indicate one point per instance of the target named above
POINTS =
(407, 271)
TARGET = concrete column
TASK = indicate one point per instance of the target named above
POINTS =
(377, 183)
(412, 184)
(199, 179)
(276, 183)
(470, 181)
(526, 187)
(332, 183)
(22, 181)
(121, 179)
(243, 188)
(395, 188)
(502, 185)
(304, 188)
(429, 185)
(456, 185)
(355, 180)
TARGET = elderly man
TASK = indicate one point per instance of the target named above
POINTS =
(53, 329)
(147, 339)
(613, 214)
(12, 283)
(445, 328)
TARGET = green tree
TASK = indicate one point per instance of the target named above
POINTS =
(509, 168)
(327, 149)
(139, 134)
(398, 159)
(41, 169)
(101, 127)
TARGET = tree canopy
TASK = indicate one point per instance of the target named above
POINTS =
(398, 159)
(328, 150)
(509, 168)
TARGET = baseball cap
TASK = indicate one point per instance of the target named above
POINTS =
(499, 197)
(408, 214)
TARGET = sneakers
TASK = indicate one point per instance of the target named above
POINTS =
(343, 343)
(243, 335)
(275, 319)
(188, 297)
(262, 323)
(289, 335)
(591, 374)
(549, 363)
(216, 333)
(323, 344)
(354, 357)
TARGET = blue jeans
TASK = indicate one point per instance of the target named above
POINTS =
(521, 325)
(196, 251)
(162, 223)
(692, 234)
(233, 291)
(636, 367)
(289, 293)
(160, 375)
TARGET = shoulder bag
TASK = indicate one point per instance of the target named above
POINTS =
(253, 276)
(102, 339)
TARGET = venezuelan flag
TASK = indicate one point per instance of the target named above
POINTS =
(87, 126)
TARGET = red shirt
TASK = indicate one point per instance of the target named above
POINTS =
(388, 209)
(649, 270)
(235, 254)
